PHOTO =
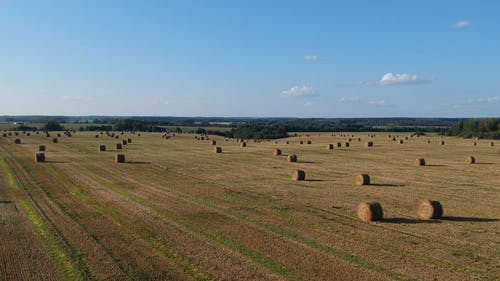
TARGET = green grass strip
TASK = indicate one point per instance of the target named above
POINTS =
(65, 264)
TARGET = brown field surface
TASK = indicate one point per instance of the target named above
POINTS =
(178, 211)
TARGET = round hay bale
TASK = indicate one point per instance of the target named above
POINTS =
(470, 160)
(243, 144)
(429, 209)
(120, 158)
(124, 142)
(118, 146)
(370, 211)
(4, 135)
(17, 141)
(58, 135)
(339, 145)
(96, 136)
(214, 142)
(369, 144)
(441, 143)
(301, 142)
(308, 142)
(40, 157)
(362, 179)
(329, 146)
(474, 143)
(292, 158)
(298, 175)
(54, 140)
(277, 152)
(41, 148)
(218, 149)
(287, 142)
(393, 138)
(129, 140)
(492, 144)
(428, 141)
(420, 162)
(346, 144)
(401, 142)
(359, 139)
(102, 147)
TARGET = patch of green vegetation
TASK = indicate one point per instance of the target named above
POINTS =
(67, 268)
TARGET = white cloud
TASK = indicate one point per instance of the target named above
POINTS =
(462, 24)
(377, 103)
(75, 98)
(311, 58)
(349, 100)
(298, 91)
(308, 104)
(402, 79)
(484, 100)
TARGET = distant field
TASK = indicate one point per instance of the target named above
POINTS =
(178, 211)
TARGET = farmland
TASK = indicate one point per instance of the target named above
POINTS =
(178, 211)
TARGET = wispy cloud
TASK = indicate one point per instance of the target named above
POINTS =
(461, 24)
(402, 79)
(75, 98)
(311, 58)
(378, 103)
(483, 100)
(299, 91)
(349, 100)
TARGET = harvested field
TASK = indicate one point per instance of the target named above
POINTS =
(175, 210)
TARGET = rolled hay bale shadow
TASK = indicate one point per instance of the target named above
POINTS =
(470, 160)
(120, 158)
(420, 162)
(292, 158)
(370, 211)
(430, 209)
(39, 157)
(362, 179)
(298, 175)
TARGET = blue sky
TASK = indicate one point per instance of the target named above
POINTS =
(250, 58)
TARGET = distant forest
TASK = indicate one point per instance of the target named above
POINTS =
(272, 128)
(482, 128)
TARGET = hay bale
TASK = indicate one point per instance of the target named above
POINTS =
(287, 142)
(102, 147)
(40, 157)
(243, 144)
(492, 144)
(308, 142)
(346, 144)
(4, 135)
(369, 144)
(420, 162)
(120, 158)
(401, 142)
(301, 142)
(124, 142)
(118, 146)
(441, 143)
(429, 209)
(214, 142)
(298, 175)
(339, 145)
(470, 160)
(17, 141)
(359, 139)
(393, 138)
(292, 158)
(129, 140)
(58, 135)
(277, 152)
(474, 143)
(370, 211)
(362, 179)
(329, 146)
(54, 140)
(428, 141)
(218, 149)
(41, 148)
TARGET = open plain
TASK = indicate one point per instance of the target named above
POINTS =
(176, 210)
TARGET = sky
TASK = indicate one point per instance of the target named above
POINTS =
(258, 58)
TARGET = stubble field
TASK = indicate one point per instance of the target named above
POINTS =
(178, 211)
